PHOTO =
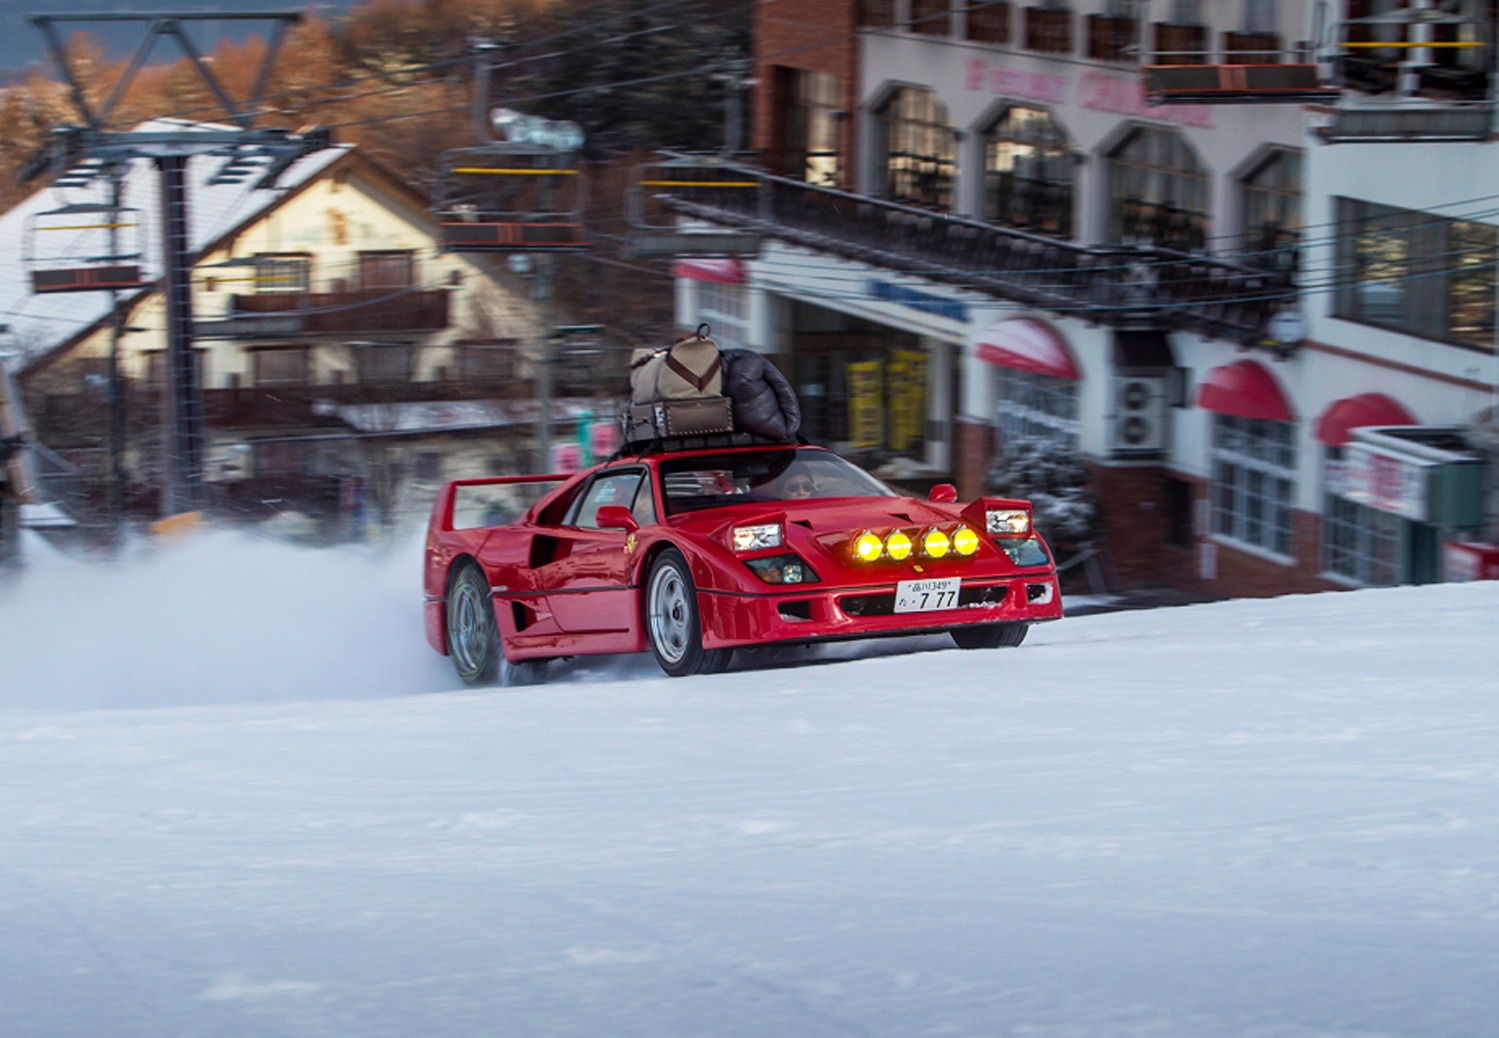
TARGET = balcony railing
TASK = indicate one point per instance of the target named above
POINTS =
(277, 314)
(1130, 286)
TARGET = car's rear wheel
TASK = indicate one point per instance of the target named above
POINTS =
(989, 636)
(673, 622)
(474, 642)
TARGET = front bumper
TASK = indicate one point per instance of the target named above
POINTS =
(811, 613)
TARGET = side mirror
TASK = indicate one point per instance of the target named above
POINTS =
(943, 494)
(616, 517)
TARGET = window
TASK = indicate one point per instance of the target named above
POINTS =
(1254, 481)
(383, 271)
(1272, 211)
(384, 361)
(644, 508)
(1416, 272)
(930, 17)
(487, 361)
(1359, 544)
(283, 272)
(875, 14)
(988, 21)
(1036, 407)
(1048, 28)
(1113, 35)
(280, 367)
(725, 309)
(1028, 173)
(918, 149)
(611, 488)
(713, 481)
(811, 151)
(1159, 192)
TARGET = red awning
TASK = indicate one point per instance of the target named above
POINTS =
(1026, 344)
(725, 271)
(1354, 412)
(1244, 389)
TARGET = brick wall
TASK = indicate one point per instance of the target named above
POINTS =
(815, 35)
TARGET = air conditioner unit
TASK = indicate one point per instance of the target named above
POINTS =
(1138, 428)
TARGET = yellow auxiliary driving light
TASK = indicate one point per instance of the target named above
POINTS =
(935, 544)
(868, 547)
(965, 541)
(898, 546)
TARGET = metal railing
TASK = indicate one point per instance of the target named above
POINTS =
(1123, 285)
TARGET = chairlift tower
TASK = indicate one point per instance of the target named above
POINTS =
(78, 154)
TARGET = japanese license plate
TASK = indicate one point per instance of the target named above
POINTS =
(924, 596)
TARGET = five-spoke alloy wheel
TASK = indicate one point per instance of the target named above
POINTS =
(673, 623)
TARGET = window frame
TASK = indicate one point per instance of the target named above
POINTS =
(1272, 244)
(580, 502)
(1253, 470)
(1055, 147)
(1031, 406)
(1404, 251)
(918, 149)
(1174, 198)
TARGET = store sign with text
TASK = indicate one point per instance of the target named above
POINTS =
(1099, 91)
(1383, 482)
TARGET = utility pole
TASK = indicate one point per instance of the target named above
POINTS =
(115, 384)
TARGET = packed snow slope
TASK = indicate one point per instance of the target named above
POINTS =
(240, 797)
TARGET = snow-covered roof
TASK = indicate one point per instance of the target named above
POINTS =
(39, 322)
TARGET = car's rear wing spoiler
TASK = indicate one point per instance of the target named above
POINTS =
(464, 503)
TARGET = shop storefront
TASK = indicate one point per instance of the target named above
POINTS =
(1420, 486)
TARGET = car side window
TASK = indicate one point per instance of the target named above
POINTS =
(645, 504)
(609, 488)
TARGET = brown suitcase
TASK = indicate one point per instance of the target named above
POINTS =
(697, 417)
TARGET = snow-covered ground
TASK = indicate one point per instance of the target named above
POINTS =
(240, 797)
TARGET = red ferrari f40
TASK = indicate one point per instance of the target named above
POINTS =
(692, 553)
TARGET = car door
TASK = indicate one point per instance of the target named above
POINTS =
(588, 575)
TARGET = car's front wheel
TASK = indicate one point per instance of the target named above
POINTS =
(474, 642)
(989, 636)
(673, 623)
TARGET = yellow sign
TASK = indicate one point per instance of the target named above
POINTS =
(906, 382)
(866, 404)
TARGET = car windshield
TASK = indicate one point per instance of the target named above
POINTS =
(712, 481)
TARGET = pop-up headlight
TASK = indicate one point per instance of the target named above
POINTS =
(1008, 522)
(757, 537)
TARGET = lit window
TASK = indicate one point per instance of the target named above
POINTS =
(918, 149)
(1417, 272)
(1028, 173)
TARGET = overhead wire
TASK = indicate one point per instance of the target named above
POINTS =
(1138, 264)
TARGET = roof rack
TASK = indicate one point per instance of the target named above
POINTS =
(707, 441)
